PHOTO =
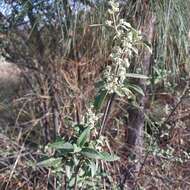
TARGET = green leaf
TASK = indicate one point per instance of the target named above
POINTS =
(94, 154)
(99, 84)
(62, 145)
(76, 148)
(108, 157)
(127, 92)
(119, 92)
(51, 162)
(57, 144)
(84, 137)
(99, 100)
(134, 75)
(137, 89)
(90, 153)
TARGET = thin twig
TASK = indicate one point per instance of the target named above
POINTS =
(106, 113)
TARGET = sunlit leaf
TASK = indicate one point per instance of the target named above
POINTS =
(90, 153)
(137, 89)
(62, 145)
(93, 168)
(94, 154)
(76, 148)
(108, 157)
(68, 171)
(51, 162)
(57, 144)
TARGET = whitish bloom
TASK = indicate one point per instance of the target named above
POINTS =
(109, 22)
(122, 74)
(91, 118)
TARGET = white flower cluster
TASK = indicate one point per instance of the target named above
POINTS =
(115, 83)
(118, 57)
(125, 39)
(90, 119)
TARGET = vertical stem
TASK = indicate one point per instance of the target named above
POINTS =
(76, 174)
(106, 113)
(108, 107)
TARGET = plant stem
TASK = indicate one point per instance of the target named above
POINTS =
(76, 174)
(106, 113)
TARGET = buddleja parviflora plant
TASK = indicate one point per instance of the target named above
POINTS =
(126, 40)
(80, 157)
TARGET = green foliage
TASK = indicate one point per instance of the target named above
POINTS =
(100, 98)
(51, 162)
(65, 146)
(84, 137)
(78, 157)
